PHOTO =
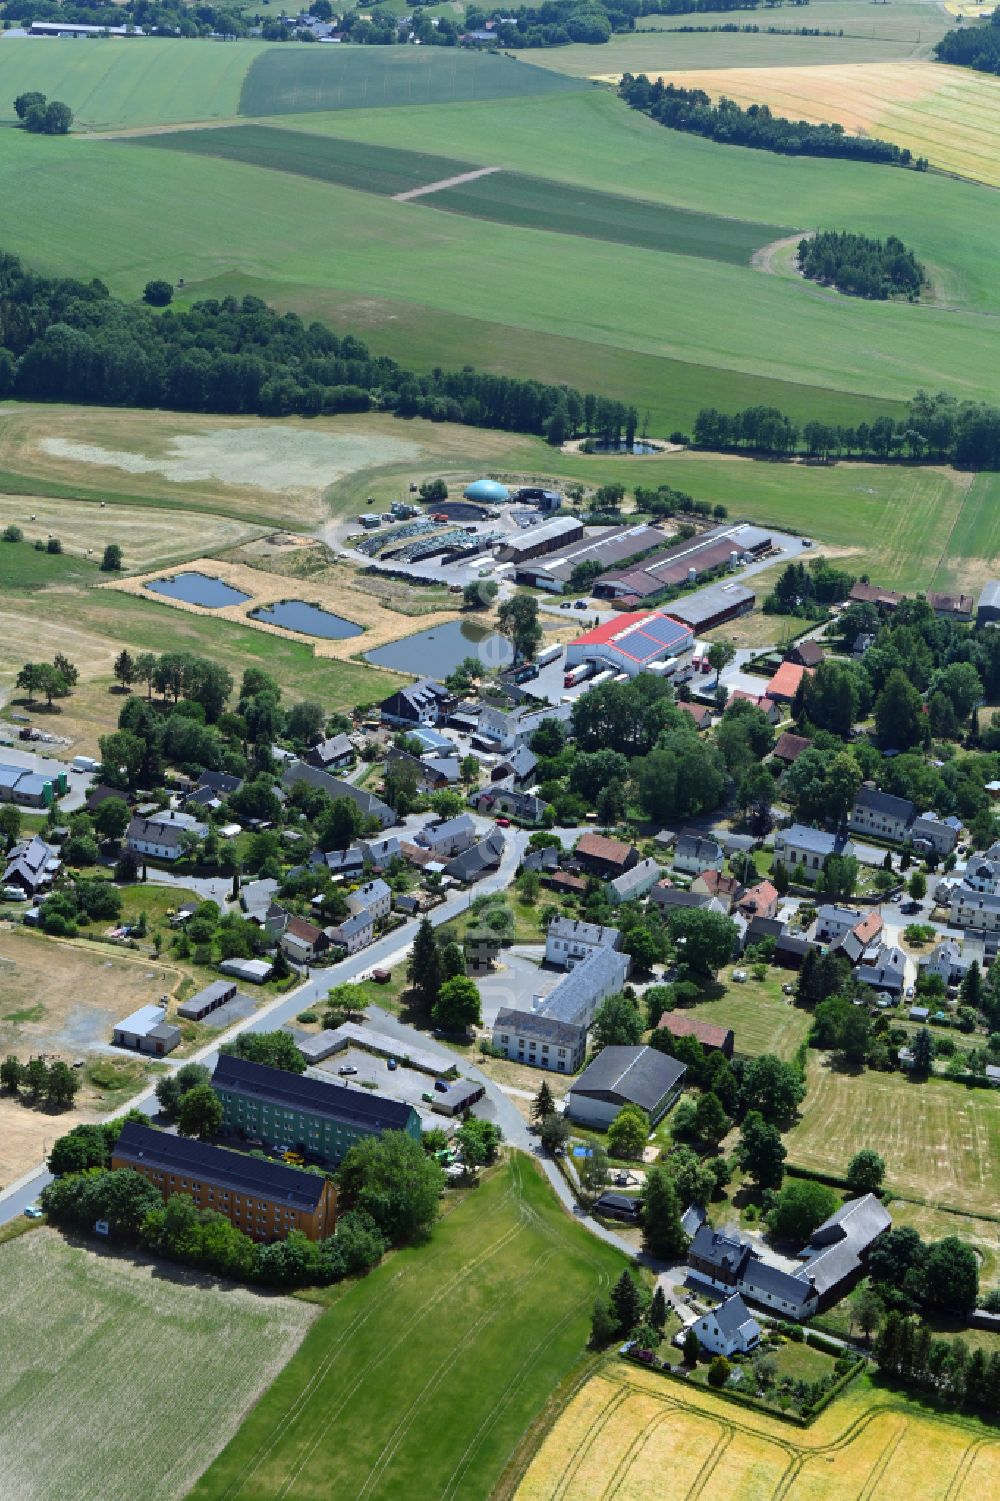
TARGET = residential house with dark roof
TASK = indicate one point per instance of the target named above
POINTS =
(881, 815)
(303, 941)
(952, 960)
(353, 933)
(695, 852)
(633, 884)
(788, 747)
(884, 970)
(367, 803)
(332, 754)
(807, 653)
(423, 702)
(159, 838)
(374, 897)
(315, 1116)
(625, 1076)
(474, 863)
(32, 864)
(448, 837)
(500, 800)
(838, 1250)
(930, 833)
(605, 857)
(568, 940)
(728, 1329)
(519, 766)
(544, 1041)
(730, 1264)
(870, 594)
(266, 1200)
(669, 898)
(713, 1038)
(957, 607)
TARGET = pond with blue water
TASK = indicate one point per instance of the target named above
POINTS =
(198, 589)
(309, 620)
(437, 652)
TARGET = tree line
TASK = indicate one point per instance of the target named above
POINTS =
(168, 18)
(67, 340)
(692, 110)
(939, 428)
(861, 265)
(973, 46)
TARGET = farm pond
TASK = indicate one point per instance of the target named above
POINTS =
(438, 651)
(198, 589)
(309, 620)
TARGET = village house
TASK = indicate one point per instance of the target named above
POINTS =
(374, 897)
(633, 884)
(760, 901)
(714, 883)
(694, 853)
(303, 941)
(544, 1041)
(802, 845)
(713, 1038)
(568, 940)
(353, 933)
(32, 865)
(728, 1329)
(605, 857)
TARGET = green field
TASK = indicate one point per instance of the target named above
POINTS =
(974, 544)
(421, 1381)
(763, 1020)
(940, 1141)
(505, 197)
(95, 1344)
(916, 21)
(111, 85)
(293, 80)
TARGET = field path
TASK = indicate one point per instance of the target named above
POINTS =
(445, 182)
(764, 259)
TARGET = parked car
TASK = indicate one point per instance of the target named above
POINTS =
(14, 894)
(441, 1085)
(32, 1212)
(581, 604)
(567, 604)
(739, 975)
(787, 989)
(391, 1065)
(347, 1068)
(502, 823)
(427, 1098)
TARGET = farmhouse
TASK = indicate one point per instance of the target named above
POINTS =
(729, 1329)
(625, 1076)
(957, 607)
(208, 1000)
(695, 853)
(714, 1039)
(605, 857)
(315, 1116)
(532, 1037)
(568, 940)
(838, 1250)
(871, 594)
(880, 814)
(634, 644)
(147, 1031)
(713, 606)
(369, 805)
(710, 552)
(263, 1199)
(161, 837)
(633, 884)
(729, 1264)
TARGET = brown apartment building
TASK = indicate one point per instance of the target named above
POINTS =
(263, 1199)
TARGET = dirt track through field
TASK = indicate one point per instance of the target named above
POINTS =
(765, 258)
(445, 182)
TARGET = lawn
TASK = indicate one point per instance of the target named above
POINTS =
(422, 1380)
(96, 1344)
(764, 1020)
(627, 1424)
(940, 1141)
(949, 115)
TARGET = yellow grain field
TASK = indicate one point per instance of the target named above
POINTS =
(630, 1434)
(949, 115)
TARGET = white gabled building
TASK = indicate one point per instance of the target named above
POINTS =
(729, 1329)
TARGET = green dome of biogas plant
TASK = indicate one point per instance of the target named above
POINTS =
(488, 491)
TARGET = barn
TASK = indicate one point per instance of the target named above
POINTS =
(646, 642)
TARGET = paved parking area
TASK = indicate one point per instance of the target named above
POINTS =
(400, 1083)
(515, 985)
(233, 1011)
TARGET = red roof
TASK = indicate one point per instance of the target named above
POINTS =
(789, 747)
(641, 637)
(760, 899)
(868, 928)
(599, 847)
(786, 680)
(707, 1033)
(700, 713)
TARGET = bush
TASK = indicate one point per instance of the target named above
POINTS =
(13, 533)
(719, 1371)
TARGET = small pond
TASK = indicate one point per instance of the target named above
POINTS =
(310, 620)
(437, 652)
(198, 589)
(639, 447)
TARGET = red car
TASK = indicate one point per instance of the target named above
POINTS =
(503, 823)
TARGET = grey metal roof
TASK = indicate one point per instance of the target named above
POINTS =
(141, 1022)
(817, 841)
(536, 1024)
(638, 879)
(705, 604)
(884, 802)
(733, 1315)
(578, 993)
(635, 1075)
(990, 595)
(591, 933)
(486, 855)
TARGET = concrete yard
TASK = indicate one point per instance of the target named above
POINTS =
(400, 1083)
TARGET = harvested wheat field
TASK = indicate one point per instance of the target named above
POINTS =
(631, 1434)
(949, 115)
(122, 1378)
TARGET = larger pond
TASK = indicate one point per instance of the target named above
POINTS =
(198, 589)
(310, 620)
(437, 652)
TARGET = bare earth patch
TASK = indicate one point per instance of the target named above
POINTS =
(123, 1377)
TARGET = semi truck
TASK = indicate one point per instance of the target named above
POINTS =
(550, 654)
(577, 674)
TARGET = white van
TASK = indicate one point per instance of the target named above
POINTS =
(84, 763)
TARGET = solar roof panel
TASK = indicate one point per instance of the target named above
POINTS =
(664, 631)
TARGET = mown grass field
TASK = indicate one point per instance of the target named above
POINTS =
(627, 1425)
(422, 1380)
(940, 1141)
(97, 1347)
(974, 543)
(916, 21)
(649, 51)
(763, 1020)
(949, 115)
(505, 197)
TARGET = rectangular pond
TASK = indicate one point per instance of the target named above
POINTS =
(437, 652)
(310, 620)
(198, 589)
